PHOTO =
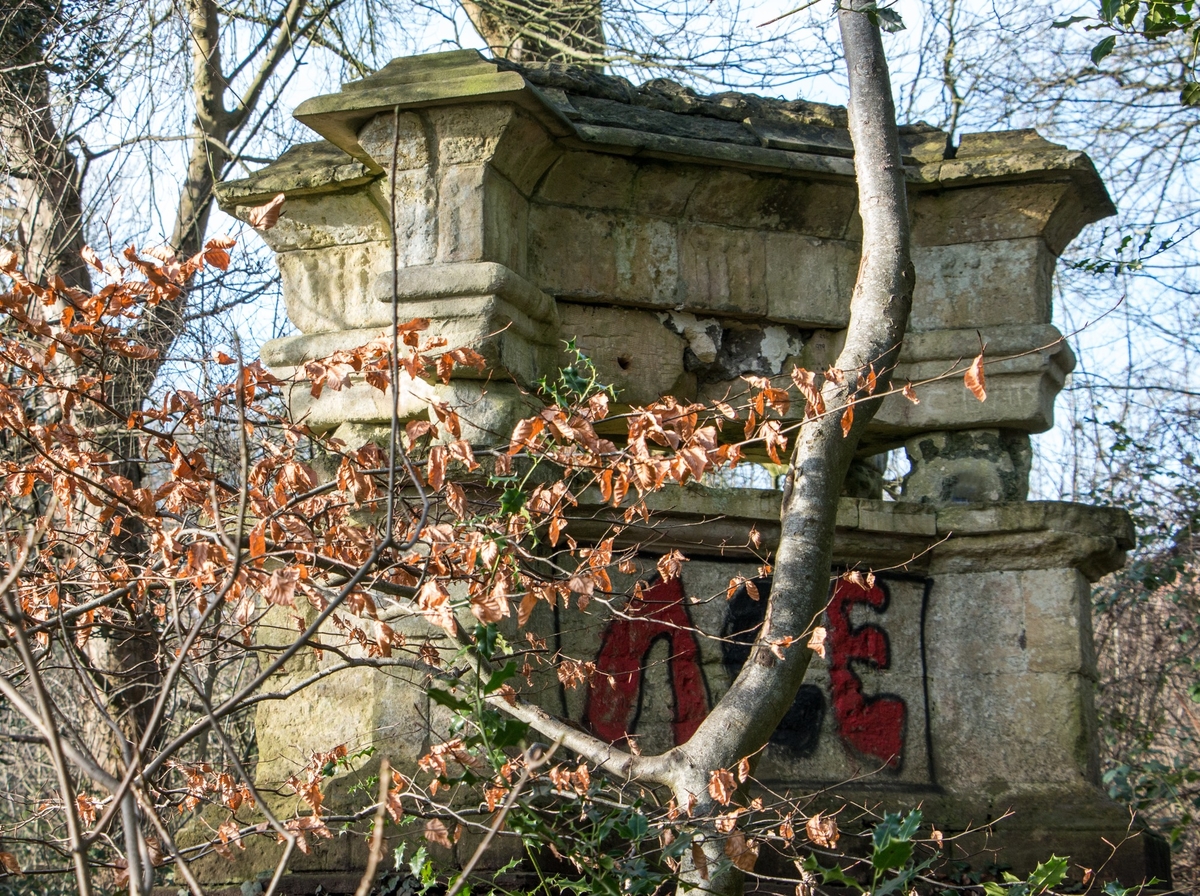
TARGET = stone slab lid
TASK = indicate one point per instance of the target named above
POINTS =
(668, 120)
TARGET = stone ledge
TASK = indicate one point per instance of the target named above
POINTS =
(872, 533)
(317, 167)
(669, 121)
(463, 279)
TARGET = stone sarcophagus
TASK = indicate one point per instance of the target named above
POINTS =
(684, 242)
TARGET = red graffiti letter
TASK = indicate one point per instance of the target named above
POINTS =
(660, 612)
(873, 726)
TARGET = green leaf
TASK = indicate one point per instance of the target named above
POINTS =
(485, 639)
(894, 855)
(509, 732)
(1048, 874)
(1190, 95)
(637, 826)
(512, 499)
(1067, 23)
(1127, 11)
(1103, 48)
(1114, 888)
(836, 875)
(448, 700)
(497, 679)
(908, 828)
(994, 889)
(889, 20)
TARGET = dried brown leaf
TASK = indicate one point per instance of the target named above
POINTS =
(974, 378)
(435, 832)
(742, 852)
(816, 641)
(266, 216)
(721, 785)
(281, 589)
(822, 831)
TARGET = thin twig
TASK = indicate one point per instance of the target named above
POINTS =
(385, 777)
(532, 764)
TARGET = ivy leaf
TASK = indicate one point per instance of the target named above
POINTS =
(1103, 48)
(1190, 95)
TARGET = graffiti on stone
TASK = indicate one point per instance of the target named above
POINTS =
(873, 726)
(860, 711)
(615, 693)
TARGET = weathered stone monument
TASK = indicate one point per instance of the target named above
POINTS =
(685, 241)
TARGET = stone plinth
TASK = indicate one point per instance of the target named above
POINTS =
(683, 242)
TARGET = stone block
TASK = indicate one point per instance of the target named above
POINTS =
(664, 190)
(975, 467)
(1058, 623)
(505, 223)
(732, 198)
(526, 153)
(411, 144)
(809, 281)
(722, 271)
(647, 262)
(985, 213)
(630, 260)
(425, 283)
(1025, 368)
(631, 349)
(997, 283)
(995, 691)
(589, 180)
(416, 217)
(332, 289)
(741, 199)
(487, 411)
(469, 134)
(555, 263)
(462, 201)
(326, 219)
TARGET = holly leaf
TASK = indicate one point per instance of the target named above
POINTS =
(1048, 874)
(1104, 48)
(889, 20)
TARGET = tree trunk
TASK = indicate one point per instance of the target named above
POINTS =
(43, 175)
(741, 723)
(540, 31)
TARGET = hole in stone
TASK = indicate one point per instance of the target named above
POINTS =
(623, 362)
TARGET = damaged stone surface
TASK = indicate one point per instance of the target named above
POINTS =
(978, 466)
